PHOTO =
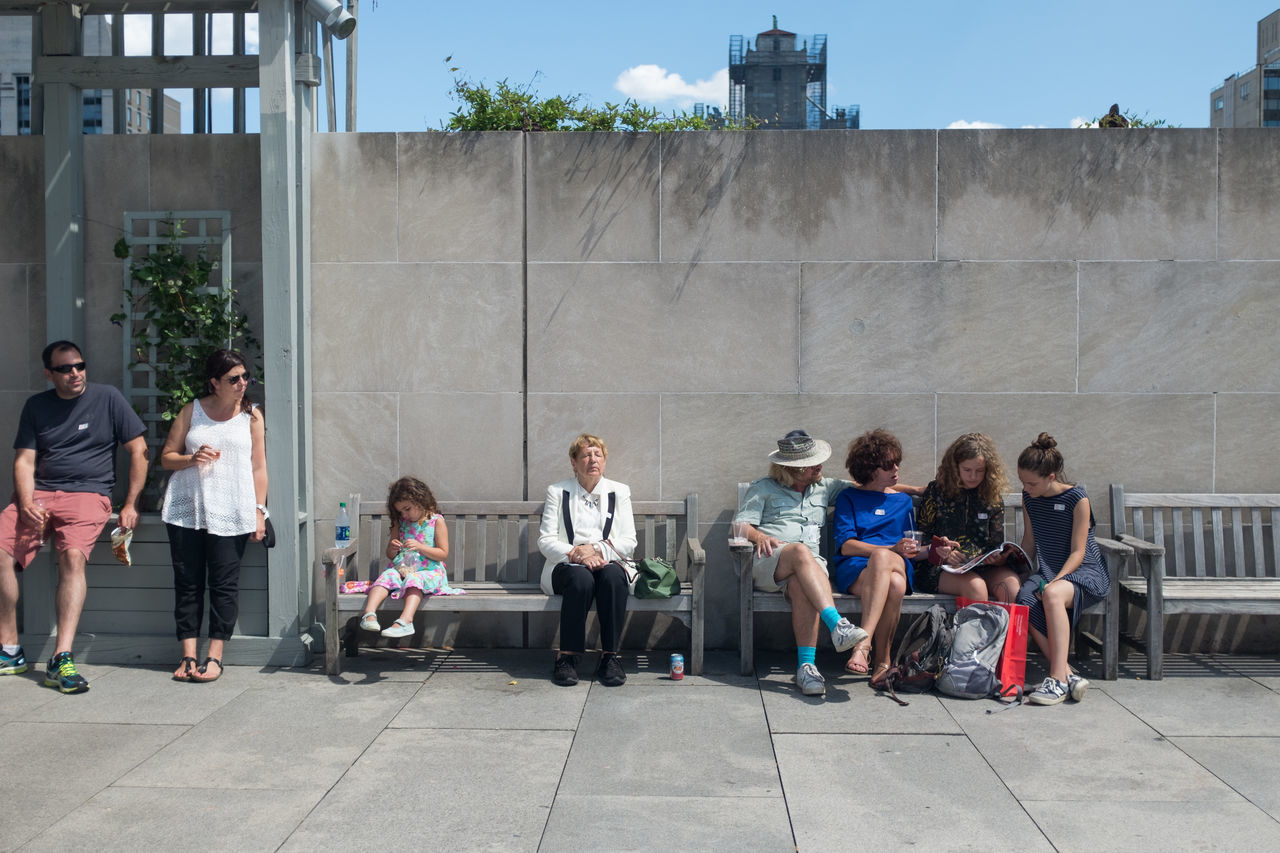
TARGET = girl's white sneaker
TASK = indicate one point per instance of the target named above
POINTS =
(398, 628)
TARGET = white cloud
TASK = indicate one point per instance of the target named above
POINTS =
(1079, 122)
(654, 84)
(961, 124)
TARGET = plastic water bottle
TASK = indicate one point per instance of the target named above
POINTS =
(342, 527)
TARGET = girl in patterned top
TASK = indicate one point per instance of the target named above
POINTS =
(1070, 573)
(417, 550)
(964, 506)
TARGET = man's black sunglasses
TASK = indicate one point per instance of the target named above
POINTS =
(67, 368)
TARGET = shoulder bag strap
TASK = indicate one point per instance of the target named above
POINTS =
(565, 515)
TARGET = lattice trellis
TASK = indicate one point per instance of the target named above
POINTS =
(145, 232)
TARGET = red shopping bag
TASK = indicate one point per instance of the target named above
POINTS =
(1013, 660)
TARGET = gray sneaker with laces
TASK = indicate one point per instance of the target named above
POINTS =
(810, 681)
(1076, 686)
(1050, 692)
(845, 635)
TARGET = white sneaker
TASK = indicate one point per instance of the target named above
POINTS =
(845, 635)
(1050, 692)
(398, 628)
(1076, 686)
(810, 681)
(369, 622)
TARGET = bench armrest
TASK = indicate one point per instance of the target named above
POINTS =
(697, 556)
(1142, 546)
(1112, 546)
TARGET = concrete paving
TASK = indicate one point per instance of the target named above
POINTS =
(477, 750)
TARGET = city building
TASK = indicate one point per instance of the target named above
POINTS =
(1252, 98)
(99, 112)
(782, 85)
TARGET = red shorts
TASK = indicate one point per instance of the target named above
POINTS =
(75, 521)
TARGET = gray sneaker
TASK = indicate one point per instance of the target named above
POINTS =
(845, 635)
(1050, 692)
(1076, 686)
(810, 681)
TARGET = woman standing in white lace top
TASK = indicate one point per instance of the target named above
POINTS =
(214, 504)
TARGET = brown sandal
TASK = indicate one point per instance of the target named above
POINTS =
(878, 678)
(860, 669)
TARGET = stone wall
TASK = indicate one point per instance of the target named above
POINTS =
(479, 299)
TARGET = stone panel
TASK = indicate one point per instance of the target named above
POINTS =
(16, 330)
(103, 340)
(799, 195)
(417, 327)
(662, 327)
(1249, 183)
(36, 311)
(465, 446)
(22, 181)
(1007, 194)
(711, 442)
(913, 327)
(353, 197)
(1148, 442)
(1245, 433)
(630, 425)
(1172, 327)
(356, 449)
(593, 196)
(460, 196)
(117, 178)
(212, 172)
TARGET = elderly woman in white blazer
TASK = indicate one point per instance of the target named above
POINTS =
(586, 528)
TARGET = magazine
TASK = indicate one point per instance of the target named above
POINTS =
(1015, 558)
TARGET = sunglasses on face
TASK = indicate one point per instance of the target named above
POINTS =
(65, 369)
(237, 379)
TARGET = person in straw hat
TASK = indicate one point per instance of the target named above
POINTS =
(785, 512)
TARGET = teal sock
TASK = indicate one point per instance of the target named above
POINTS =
(806, 654)
(830, 617)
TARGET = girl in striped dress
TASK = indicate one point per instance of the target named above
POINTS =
(1070, 573)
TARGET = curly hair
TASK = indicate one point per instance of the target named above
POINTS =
(414, 491)
(1042, 457)
(973, 445)
(871, 451)
(584, 441)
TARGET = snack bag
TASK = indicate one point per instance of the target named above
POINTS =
(120, 540)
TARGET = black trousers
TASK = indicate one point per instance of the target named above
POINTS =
(607, 587)
(203, 561)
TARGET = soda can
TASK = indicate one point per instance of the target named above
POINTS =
(677, 667)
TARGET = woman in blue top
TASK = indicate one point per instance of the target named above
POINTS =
(873, 557)
(1070, 573)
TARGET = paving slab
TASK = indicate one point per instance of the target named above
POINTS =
(1250, 765)
(849, 705)
(118, 695)
(22, 694)
(664, 740)
(466, 790)
(35, 787)
(647, 823)
(1093, 750)
(1159, 827)
(268, 738)
(179, 819)
(887, 792)
(1228, 704)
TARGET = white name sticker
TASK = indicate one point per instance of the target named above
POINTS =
(982, 516)
(1059, 507)
(880, 511)
(82, 426)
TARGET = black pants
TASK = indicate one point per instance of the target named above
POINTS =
(202, 560)
(607, 587)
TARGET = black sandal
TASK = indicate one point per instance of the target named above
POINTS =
(204, 670)
(188, 664)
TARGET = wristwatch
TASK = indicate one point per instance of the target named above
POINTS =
(262, 509)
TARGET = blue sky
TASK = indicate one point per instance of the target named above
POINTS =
(923, 64)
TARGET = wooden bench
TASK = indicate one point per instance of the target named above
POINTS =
(752, 601)
(1198, 553)
(494, 556)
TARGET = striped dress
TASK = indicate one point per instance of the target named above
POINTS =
(1051, 522)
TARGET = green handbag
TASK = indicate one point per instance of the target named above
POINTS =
(656, 578)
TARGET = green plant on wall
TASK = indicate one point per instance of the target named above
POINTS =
(175, 316)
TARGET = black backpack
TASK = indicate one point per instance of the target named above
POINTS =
(921, 655)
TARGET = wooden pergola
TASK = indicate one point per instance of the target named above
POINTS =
(286, 73)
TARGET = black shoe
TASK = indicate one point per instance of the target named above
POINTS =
(566, 671)
(610, 673)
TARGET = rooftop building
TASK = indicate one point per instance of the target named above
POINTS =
(781, 84)
(1252, 98)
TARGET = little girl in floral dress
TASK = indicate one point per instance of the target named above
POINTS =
(417, 550)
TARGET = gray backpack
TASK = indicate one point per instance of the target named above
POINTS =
(970, 671)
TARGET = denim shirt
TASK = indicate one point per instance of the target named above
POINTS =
(787, 514)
